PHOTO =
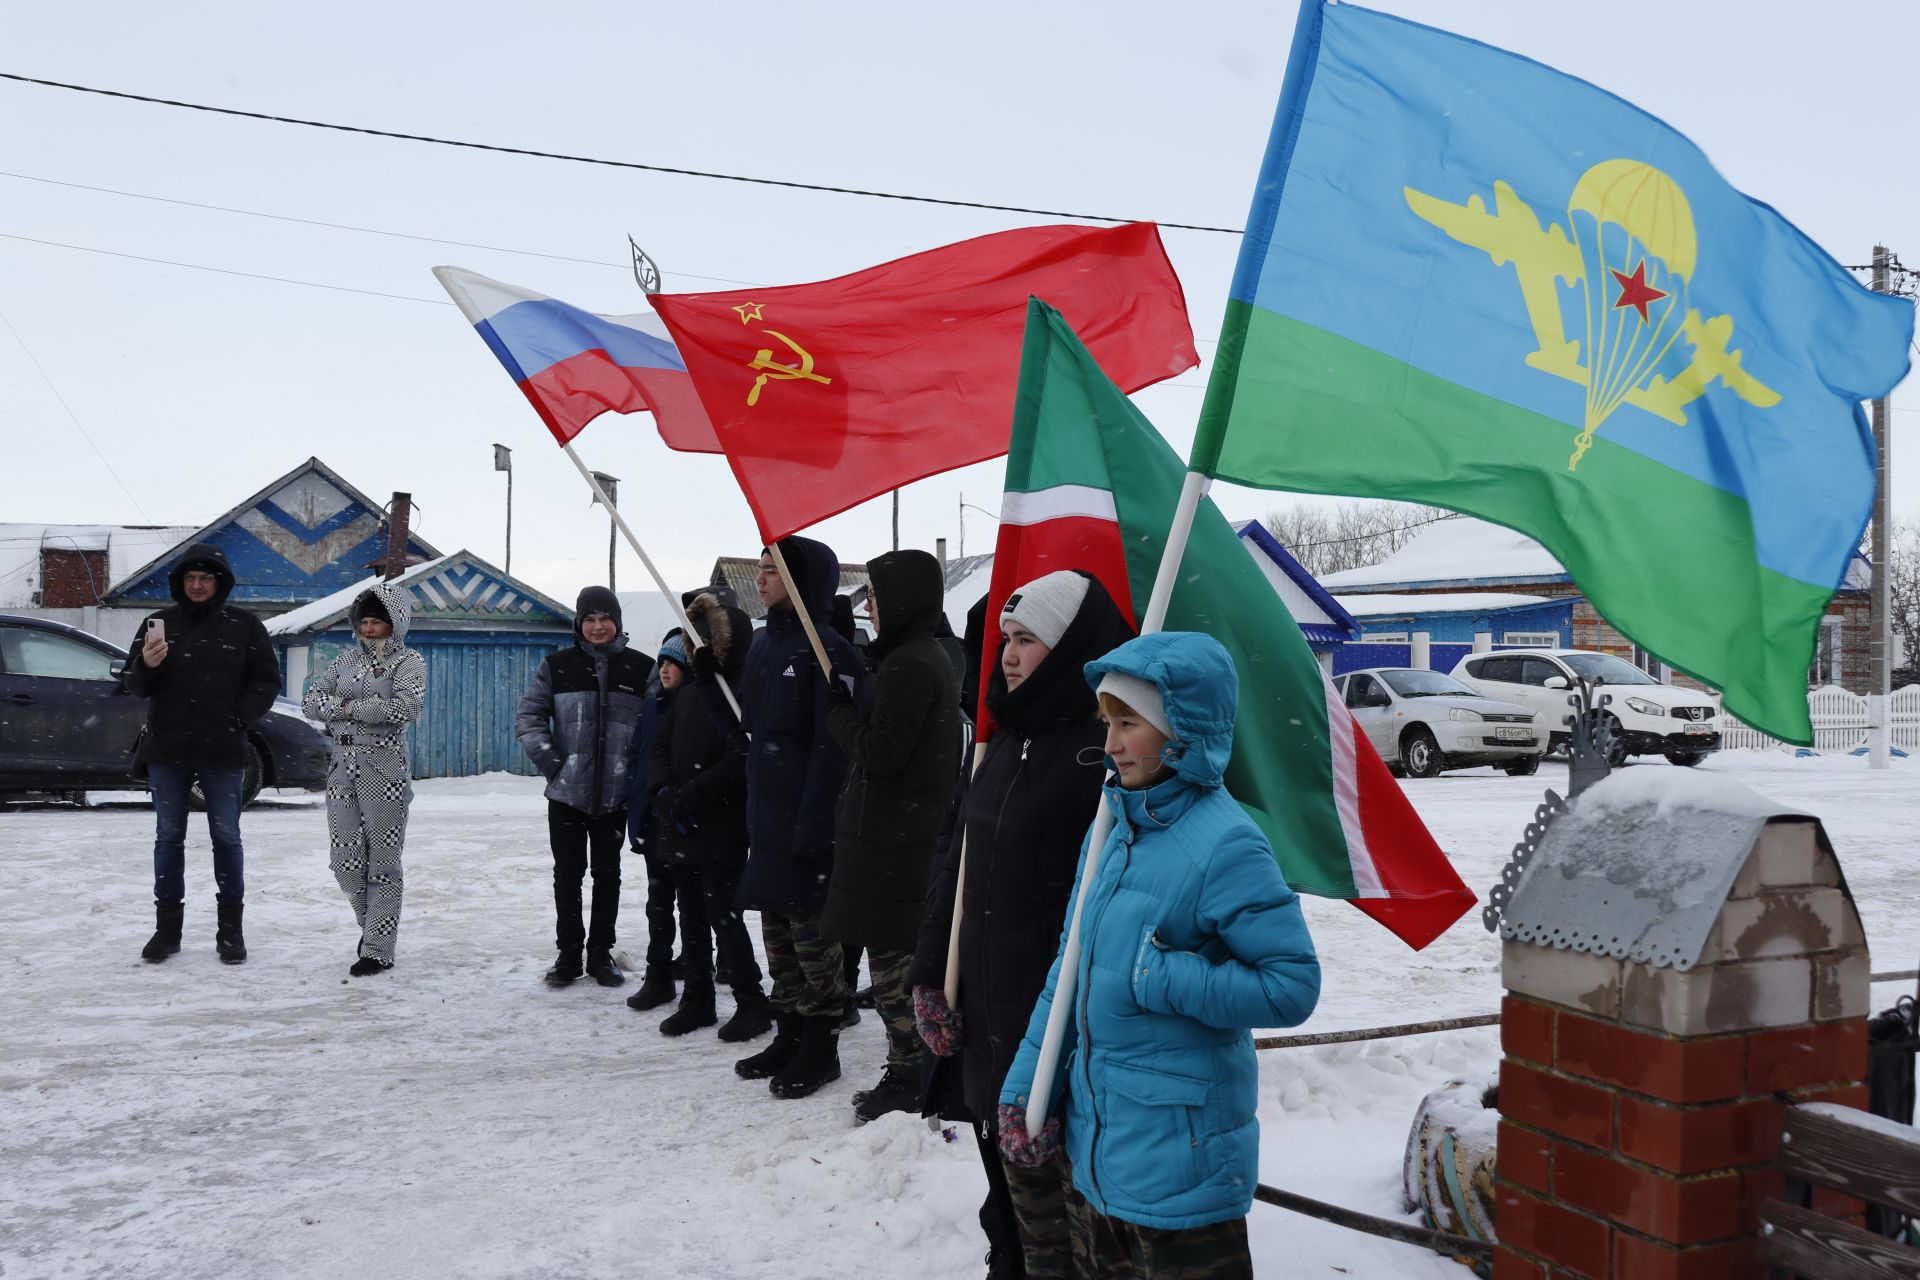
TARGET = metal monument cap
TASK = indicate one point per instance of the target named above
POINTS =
(1639, 866)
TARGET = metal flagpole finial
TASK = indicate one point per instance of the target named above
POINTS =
(646, 272)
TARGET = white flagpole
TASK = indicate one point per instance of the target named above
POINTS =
(1194, 489)
(951, 986)
(679, 610)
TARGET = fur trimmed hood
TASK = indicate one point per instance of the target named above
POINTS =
(725, 627)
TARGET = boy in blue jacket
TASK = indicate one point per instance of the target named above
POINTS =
(1190, 938)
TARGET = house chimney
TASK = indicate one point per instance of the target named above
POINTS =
(394, 562)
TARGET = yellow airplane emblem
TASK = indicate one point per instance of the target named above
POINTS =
(784, 372)
(1627, 218)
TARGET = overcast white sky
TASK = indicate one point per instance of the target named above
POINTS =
(200, 387)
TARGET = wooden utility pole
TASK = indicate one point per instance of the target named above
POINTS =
(503, 461)
(609, 486)
(1879, 646)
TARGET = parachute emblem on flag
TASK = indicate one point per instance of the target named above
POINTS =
(1633, 254)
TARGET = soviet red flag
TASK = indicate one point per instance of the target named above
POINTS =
(824, 395)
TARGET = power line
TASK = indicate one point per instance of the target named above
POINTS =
(227, 271)
(344, 226)
(73, 417)
(595, 160)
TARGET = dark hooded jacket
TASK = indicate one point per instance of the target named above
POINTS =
(706, 766)
(794, 767)
(905, 751)
(220, 674)
(1024, 816)
(578, 721)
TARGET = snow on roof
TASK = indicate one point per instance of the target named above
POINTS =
(128, 546)
(298, 620)
(965, 591)
(1460, 549)
(1373, 606)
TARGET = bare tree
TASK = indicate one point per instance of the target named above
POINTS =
(1903, 597)
(1351, 534)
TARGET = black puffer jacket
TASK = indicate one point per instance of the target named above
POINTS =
(1025, 816)
(704, 765)
(794, 768)
(905, 749)
(578, 721)
(220, 673)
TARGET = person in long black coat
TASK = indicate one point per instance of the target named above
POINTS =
(1023, 820)
(794, 773)
(208, 671)
(697, 789)
(905, 747)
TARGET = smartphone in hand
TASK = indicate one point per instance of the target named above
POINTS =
(157, 629)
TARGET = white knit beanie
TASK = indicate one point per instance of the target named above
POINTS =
(1046, 605)
(1142, 695)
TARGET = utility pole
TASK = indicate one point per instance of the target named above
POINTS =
(961, 511)
(896, 519)
(609, 485)
(1879, 647)
(503, 461)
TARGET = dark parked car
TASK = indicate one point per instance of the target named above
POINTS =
(67, 725)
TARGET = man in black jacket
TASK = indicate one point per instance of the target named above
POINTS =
(209, 672)
(578, 724)
(794, 772)
(905, 749)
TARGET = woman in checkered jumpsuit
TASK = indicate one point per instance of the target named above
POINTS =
(368, 696)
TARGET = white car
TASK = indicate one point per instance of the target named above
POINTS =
(1649, 718)
(1423, 722)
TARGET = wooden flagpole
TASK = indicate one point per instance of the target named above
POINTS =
(800, 607)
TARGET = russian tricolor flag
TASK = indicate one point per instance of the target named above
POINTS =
(575, 365)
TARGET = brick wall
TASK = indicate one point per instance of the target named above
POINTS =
(1640, 1105)
(71, 579)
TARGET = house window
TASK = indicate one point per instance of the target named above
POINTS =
(1827, 657)
(1531, 639)
(1384, 637)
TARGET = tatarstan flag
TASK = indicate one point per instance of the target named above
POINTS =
(1092, 486)
(1473, 281)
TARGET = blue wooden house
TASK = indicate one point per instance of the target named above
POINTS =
(306, 535)
(482, 634)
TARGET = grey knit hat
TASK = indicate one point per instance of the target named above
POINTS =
(1140, 694)
(1046, 606)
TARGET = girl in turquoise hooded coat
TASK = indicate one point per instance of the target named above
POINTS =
(1190, 938)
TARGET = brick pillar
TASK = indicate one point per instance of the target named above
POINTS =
(1638, 1112)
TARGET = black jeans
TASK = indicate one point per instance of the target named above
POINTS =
(660, 895)
(579, 842)
(706, 902)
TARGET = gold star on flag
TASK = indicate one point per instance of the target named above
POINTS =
(749, 312)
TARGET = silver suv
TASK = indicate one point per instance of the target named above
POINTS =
(1649, 718)
(1422, 723)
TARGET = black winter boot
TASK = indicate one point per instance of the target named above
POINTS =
(655, 990)
(565, 969)
(696, 1011)
(166, 932)
(775, 1057)
(752, 1016)
(817, 1063)
(227, 939)
(897, 1091)
(602, 969)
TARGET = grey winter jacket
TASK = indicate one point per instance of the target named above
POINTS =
(581, 719)
(368, 698)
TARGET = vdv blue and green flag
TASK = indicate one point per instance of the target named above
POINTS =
(1473, 281)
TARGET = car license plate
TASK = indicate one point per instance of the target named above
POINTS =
(1701, 729)
(1513, 733)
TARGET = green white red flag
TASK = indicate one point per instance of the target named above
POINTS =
(1092, 486)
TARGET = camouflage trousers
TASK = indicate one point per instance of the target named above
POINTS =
(1110, 1249)
(1040, 1209)
(893, 1001)
(804, 965)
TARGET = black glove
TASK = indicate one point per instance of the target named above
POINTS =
(838, 692)
(705, 667)
(663, 801)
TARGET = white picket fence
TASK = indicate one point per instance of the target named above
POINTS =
(1839, 722)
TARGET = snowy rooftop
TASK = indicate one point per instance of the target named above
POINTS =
(1458, 550)
(340, 601)
(1372, 606)
(128, 546)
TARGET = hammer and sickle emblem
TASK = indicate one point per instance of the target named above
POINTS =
(784, 372)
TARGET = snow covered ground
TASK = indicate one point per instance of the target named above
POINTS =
(456, 1118)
